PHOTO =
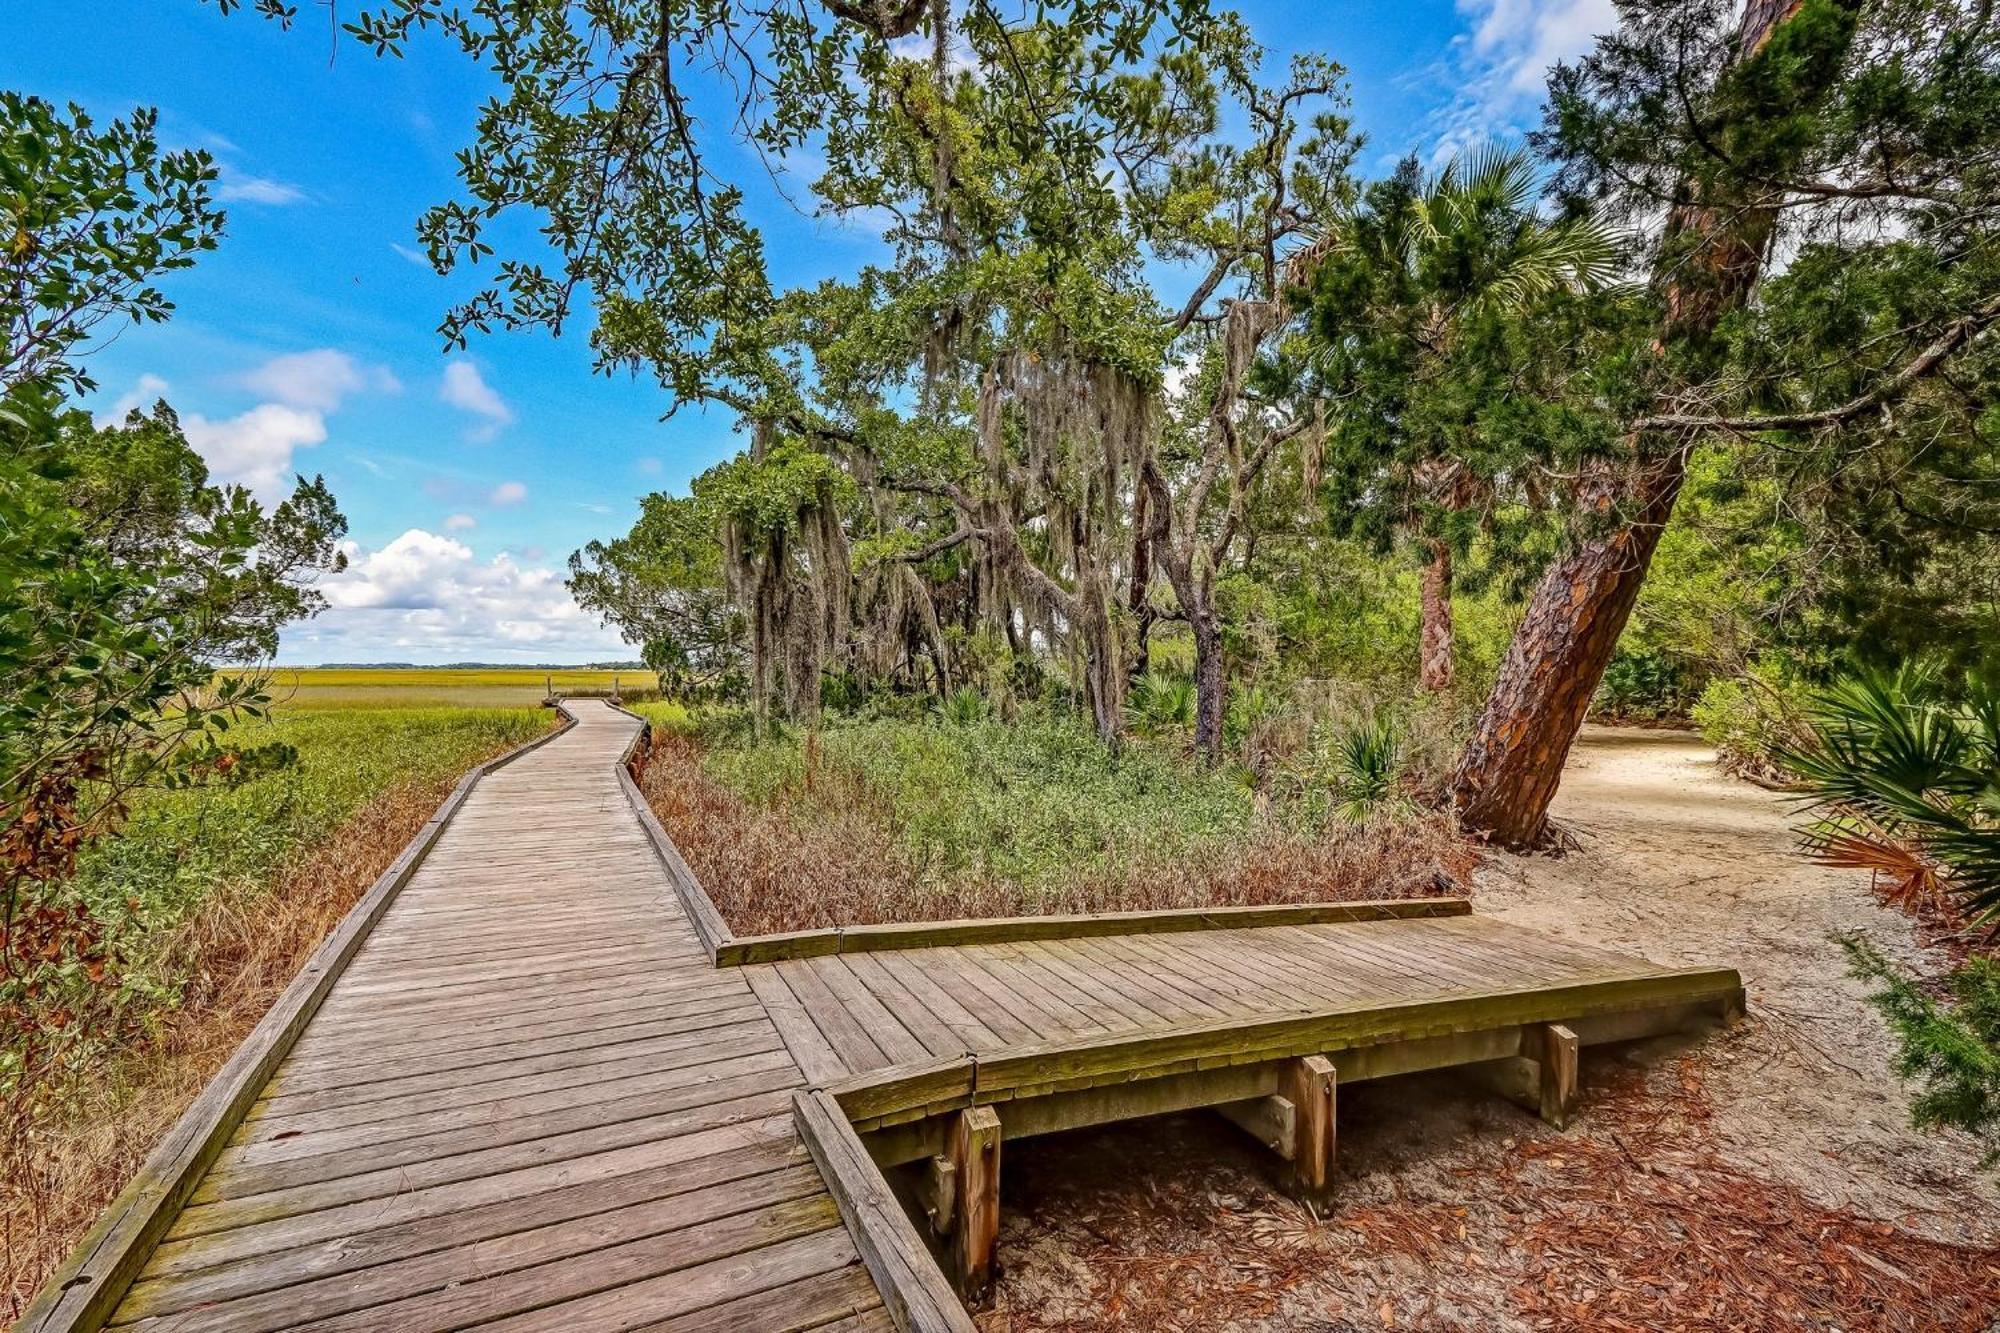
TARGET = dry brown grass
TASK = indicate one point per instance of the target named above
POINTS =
(242, 949)
(834, 860)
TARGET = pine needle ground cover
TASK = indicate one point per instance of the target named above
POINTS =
(215, 898)
(878, 820)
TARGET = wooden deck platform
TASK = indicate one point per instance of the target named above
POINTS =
(531, 1100)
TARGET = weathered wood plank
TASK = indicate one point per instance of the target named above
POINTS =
(913, 1289)
(992, 930)
(85, 1290)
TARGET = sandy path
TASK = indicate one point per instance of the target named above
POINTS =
(1456, 1211)
(1684, 864)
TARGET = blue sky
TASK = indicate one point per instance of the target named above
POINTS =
(307, 341)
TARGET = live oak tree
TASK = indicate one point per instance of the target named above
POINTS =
(1859, 135)
(997, 392)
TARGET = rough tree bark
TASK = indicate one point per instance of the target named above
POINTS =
(1509, 771)
(1434, 654)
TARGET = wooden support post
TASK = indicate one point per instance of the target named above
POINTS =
(975, 1202)
(1310, 1084)
(1555, 1052)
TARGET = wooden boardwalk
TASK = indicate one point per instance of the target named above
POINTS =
(531, 1100)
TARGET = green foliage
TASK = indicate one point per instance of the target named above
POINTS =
(1027, 802)
(125, 577)
(89, 217)
(1368, 761)
(1950, 1047)
(1159, 704)
(178, 847)
(964, 706)
(1899, 764)
(1643, 685)
(1751, 716)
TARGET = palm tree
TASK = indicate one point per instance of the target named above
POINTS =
(1422, 316)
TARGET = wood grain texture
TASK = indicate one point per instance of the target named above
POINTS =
(520, 1096)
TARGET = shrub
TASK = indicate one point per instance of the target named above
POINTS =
(1751, 717)
(1160, 703)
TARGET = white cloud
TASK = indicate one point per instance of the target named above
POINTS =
(241, 187)
(649, 467)
(416, 257)
(319, 379)
(1503, 63)
(427, 597)
(467, 390)
(145, 391)
(460, 523)
(508, 493)
(255, 448)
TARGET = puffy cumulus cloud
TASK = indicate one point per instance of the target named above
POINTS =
(460, 523)
(428, 597)
(319, 379)
(508, 493)
(145, 391)
(255, 449)
(467, 390)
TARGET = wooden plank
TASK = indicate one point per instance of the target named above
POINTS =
(701, 912)
(300, 1268)
(657, 1223)
(1265, 1037)
(1555, 1052)
(83, 1292)
(809, 1050)
(818, 1303)
(913, 1289)
(935, 934)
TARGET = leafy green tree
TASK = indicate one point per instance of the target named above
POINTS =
(1422, 333)
(126, 577)
(1856, 135)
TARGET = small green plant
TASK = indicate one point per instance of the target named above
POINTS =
(964, 706)
(1904, 779)
(1951, 1048)
(1903, 776)
(1160, 703)
(1368, 760)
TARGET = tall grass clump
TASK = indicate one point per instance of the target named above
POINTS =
(884, 819)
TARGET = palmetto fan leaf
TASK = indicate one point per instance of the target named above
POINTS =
(1898, 769)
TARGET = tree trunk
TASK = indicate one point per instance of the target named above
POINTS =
(1209, 681)
(1138, 599)
(1511, 766)
(1509, 771)
(1435, 652)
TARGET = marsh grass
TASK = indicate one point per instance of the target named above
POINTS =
(887, 820)
(217, 898)
(295, 689)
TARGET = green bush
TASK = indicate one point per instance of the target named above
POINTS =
(1750, 718)
(1951, 1048)
(1644, 686)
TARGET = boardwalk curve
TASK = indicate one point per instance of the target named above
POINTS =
(530, 1099)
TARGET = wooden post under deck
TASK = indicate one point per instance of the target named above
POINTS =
(974, 1151)
(1310, 1084)
(1556, 1056)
